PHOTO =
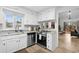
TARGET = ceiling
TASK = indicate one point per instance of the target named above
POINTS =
(74, 9)
(41, 8)
(74, 14)
(38, 8)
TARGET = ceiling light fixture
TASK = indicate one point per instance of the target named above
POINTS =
(69, 14)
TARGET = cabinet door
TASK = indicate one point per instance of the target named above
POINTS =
(51, 40)
(49, 47)
(22, 42)
(12, 45)
(2, 46)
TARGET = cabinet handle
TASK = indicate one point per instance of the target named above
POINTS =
(4, 44)
(19, 40)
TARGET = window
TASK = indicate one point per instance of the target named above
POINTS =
(18, 20)
(13, 19)
(9, 21)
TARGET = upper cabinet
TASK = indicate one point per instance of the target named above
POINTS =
(31, 19)
(48, 14)
(47, 25)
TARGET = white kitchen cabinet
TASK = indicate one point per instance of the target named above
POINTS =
(51, 14)
(16, 43)
(51, 40)
(32, 19)
(2, 46)
(12, 45)
(47, 15)
(22, 42)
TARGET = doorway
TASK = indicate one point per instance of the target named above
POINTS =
(68, 41)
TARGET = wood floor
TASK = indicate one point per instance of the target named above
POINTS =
(63, 47)
(66, 48)
(34, 49)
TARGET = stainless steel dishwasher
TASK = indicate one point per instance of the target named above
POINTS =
(31, 39)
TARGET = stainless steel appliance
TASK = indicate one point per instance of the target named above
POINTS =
(31, 39)
(41, 38)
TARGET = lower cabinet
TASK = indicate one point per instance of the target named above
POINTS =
(51, 40)
(22, 42)
(13, 44)
(2, 46)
